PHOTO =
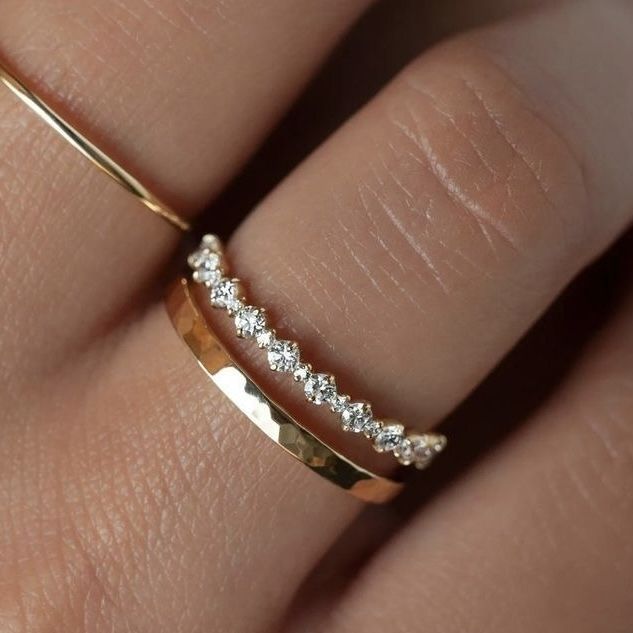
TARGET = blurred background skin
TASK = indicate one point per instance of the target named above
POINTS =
(391, 34)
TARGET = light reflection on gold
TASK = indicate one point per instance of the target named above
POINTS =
(260, 409)
(95, 155)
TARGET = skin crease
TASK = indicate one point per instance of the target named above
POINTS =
(138, 500)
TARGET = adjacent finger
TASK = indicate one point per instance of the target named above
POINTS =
(537, 538)
(180, 93)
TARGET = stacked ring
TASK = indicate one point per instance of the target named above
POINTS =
(259, 408)
(388, 436)
(209, 269)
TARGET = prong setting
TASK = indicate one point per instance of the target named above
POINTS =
(338, 403)
(226, 294)
(250, 321)
(212, 242)
(206, 265)
(302, 372)
(355, 416)
(265, 338)
(389, 438)
(404, 452)
(319, 388)
(283, 356)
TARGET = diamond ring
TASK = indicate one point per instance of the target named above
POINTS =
(249, 397)
(409, 447)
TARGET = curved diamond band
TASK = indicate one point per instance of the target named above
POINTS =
(388, 436)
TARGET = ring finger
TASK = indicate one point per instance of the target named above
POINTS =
(452, 201)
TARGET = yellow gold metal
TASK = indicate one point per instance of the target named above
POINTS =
(91, 151)
(260, 409)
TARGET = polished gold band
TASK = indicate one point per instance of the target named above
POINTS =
(260, 409)
(91, 151)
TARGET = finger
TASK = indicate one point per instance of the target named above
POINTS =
(467, 194)
(413, 262)
(537, 537)
(181, 94)
(159, 507)
(365, 280)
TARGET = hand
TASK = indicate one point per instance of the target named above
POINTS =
(409, 254)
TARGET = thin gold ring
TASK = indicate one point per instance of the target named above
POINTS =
(99, 158)
(260, 409)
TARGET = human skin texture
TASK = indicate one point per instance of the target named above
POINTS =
(408, 253)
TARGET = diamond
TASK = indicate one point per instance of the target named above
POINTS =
(405, 451)
(422, 451)
(204, 258)
(389, 438)
(355, 416)
(225, 294)
(266, 338)
(210, 277)
(320, 388)
(372, 428)
(302, 372)
(426, 447)
(250, 321)
(197, 257)
(338, 403)
(212, 242)
(207, 266)
(283, 356)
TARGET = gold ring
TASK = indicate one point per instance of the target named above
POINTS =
(91, 151)
(260, 409)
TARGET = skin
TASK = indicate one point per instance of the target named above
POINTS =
(455, 206)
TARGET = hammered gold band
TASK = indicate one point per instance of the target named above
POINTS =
(99, 158)
(260, 409)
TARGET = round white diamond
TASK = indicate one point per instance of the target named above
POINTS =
(250, 321)
(405, 452)
(372, 428)
(204, 258)
(212, 242)
(338, 403)
(302, 372)
(225, 294)
(206, 276)
(355, 417)
(389, 437)
(320, 388)
(266, 338)
(197, 257)
(283, 356)
(206, 265)
(426, 447)
(420, 445)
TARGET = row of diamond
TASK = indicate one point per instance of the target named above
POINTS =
(209, 269)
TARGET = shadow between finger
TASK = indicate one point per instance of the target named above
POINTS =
(521, 385)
